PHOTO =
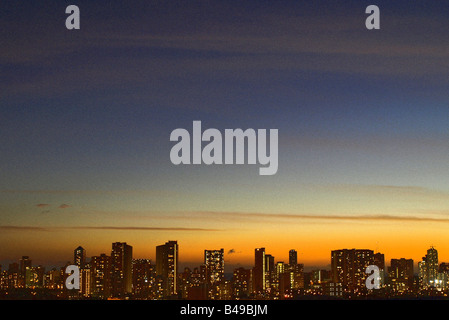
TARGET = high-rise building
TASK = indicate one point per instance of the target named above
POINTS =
(280, 269)
(167, 267)
(195, 284)
(292, 258)
(432, 266)
(34, 277)
(444, 274)
(121, 269)
(85, 281)
(320, 276)
(379, 261)
(441, 283)
(401, 269)
(143, 278)
(79, 258)
(54, 279)
(242, 281)
(298, 274)
(24, 263)
(428, 269)
(214, 262)
(270, 271)
(100, 267)
(259, 270)
(14, 276)
(349, 266)
(422, 273)
(281, 280)
(225, 291)
(401, 274)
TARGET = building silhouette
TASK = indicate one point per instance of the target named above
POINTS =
(401, 274)
(259, 270)
(428, 269)
(85, 281)
(292, 258)
(24, 263)
(143, 278)
(79, 257)
(120, 276)
(348, 268)
(101, 276)
(432, 266)
(167, 267)
(214, 263)
(270, 272)
(121, 269)
(243, 282)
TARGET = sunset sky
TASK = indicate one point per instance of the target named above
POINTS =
(86, 117)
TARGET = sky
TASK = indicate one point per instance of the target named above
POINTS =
(86, 117)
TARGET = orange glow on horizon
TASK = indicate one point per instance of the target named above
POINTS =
(313, 242)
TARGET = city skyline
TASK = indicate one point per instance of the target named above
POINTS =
(86, 117)
(122, 276)
(228, 267)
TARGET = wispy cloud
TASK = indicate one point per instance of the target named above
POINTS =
(64, 206)
(23, 228)
(142, 228)
(88, 192)
(107, 228)
(233, 251)
(42, 205)
(269, 217)
(281, 41)
(412, 192)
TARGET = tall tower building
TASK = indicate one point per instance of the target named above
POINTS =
(270, 271)
(400, 274)
(280, 269)
(24, 264)
(423, 274)
(121, 269)
(349, 265)
(292, 258)
(379, 261)
(79, 257)
(167, 266)
(432, 266)
(298, 274)
(85, 281)
(269, 264)
(143, 278)
(14, 275)
(100, 267)
(214, 262)
(259, 270)
(242, 282)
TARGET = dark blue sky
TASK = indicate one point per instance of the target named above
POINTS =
(136, 71)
